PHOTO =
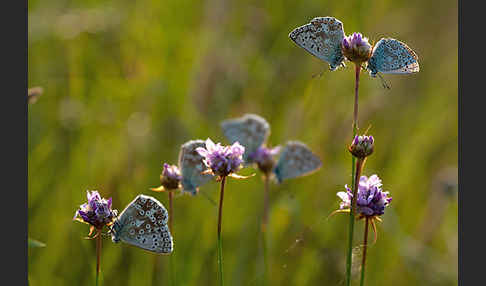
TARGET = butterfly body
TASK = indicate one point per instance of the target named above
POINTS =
(143, 223)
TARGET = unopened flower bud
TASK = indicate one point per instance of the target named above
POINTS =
(362, 146)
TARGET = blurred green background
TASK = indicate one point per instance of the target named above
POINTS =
(127, 82)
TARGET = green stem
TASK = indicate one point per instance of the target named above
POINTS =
(98, 256)
(353, 184)
(172, 257)
(266, 207)
(365, 246)
(220, 246)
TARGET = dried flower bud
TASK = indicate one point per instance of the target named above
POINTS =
(362, 146)
(356, 48)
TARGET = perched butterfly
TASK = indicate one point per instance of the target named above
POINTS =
(143, 223)
(296, 160)
(323, 38)
(191, 167)
(252, 131)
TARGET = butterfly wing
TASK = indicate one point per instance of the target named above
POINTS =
(394, 57)
(250, 130)
(296, 160)
(322, 37)
(191, 165)
(143, 223)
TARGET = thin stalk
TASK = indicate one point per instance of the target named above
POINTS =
(266, 207)
(365, 246)
(353, 184)
(98, 257)
(172, 257)
(266, 200)
(220, 246)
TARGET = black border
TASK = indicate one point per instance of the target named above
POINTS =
(14, 142)
(471, 130)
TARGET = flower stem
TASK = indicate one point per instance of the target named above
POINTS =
(98, 256)
(266, 206)
(220, 246)
(264, 227)
(172, 258)
(353, 184)
(365, 246)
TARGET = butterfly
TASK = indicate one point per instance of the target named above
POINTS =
(192, 166)
(143, 223)
(296, 160)
(252, 131)
(323, 37)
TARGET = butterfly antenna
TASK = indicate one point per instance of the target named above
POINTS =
(318, 74)
(208, 198)
(367, 129)
(384, 83)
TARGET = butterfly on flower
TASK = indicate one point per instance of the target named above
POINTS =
(143, 223)
(252, 131)
(188, 176)
(324, 38)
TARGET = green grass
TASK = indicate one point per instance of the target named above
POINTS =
(127, 82)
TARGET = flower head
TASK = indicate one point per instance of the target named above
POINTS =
(264, 157)
(356, 48)
(97, 211)
(371, 200)
(170, 177)
(222, 160)
(362, 146)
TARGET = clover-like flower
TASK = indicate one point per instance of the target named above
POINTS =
(97, 211)
(222, 160)
(371, 199)
(356, 48)
(362, 146)
(264, 158)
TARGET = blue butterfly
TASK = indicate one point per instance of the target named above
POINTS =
(252, 131)
(143, 223)
(323, 38)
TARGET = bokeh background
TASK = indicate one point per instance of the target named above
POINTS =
(127, 82)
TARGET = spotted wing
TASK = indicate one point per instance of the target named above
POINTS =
(296, 160)
(191, 165)
(322, 37)
(250, 130)
(394, 57)
(143, 223)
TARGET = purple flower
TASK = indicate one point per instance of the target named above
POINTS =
(362, 146)
(356, 48)
(222, 160)
(371, 200)
(96, 212)
(170, 177)
(263, 156)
